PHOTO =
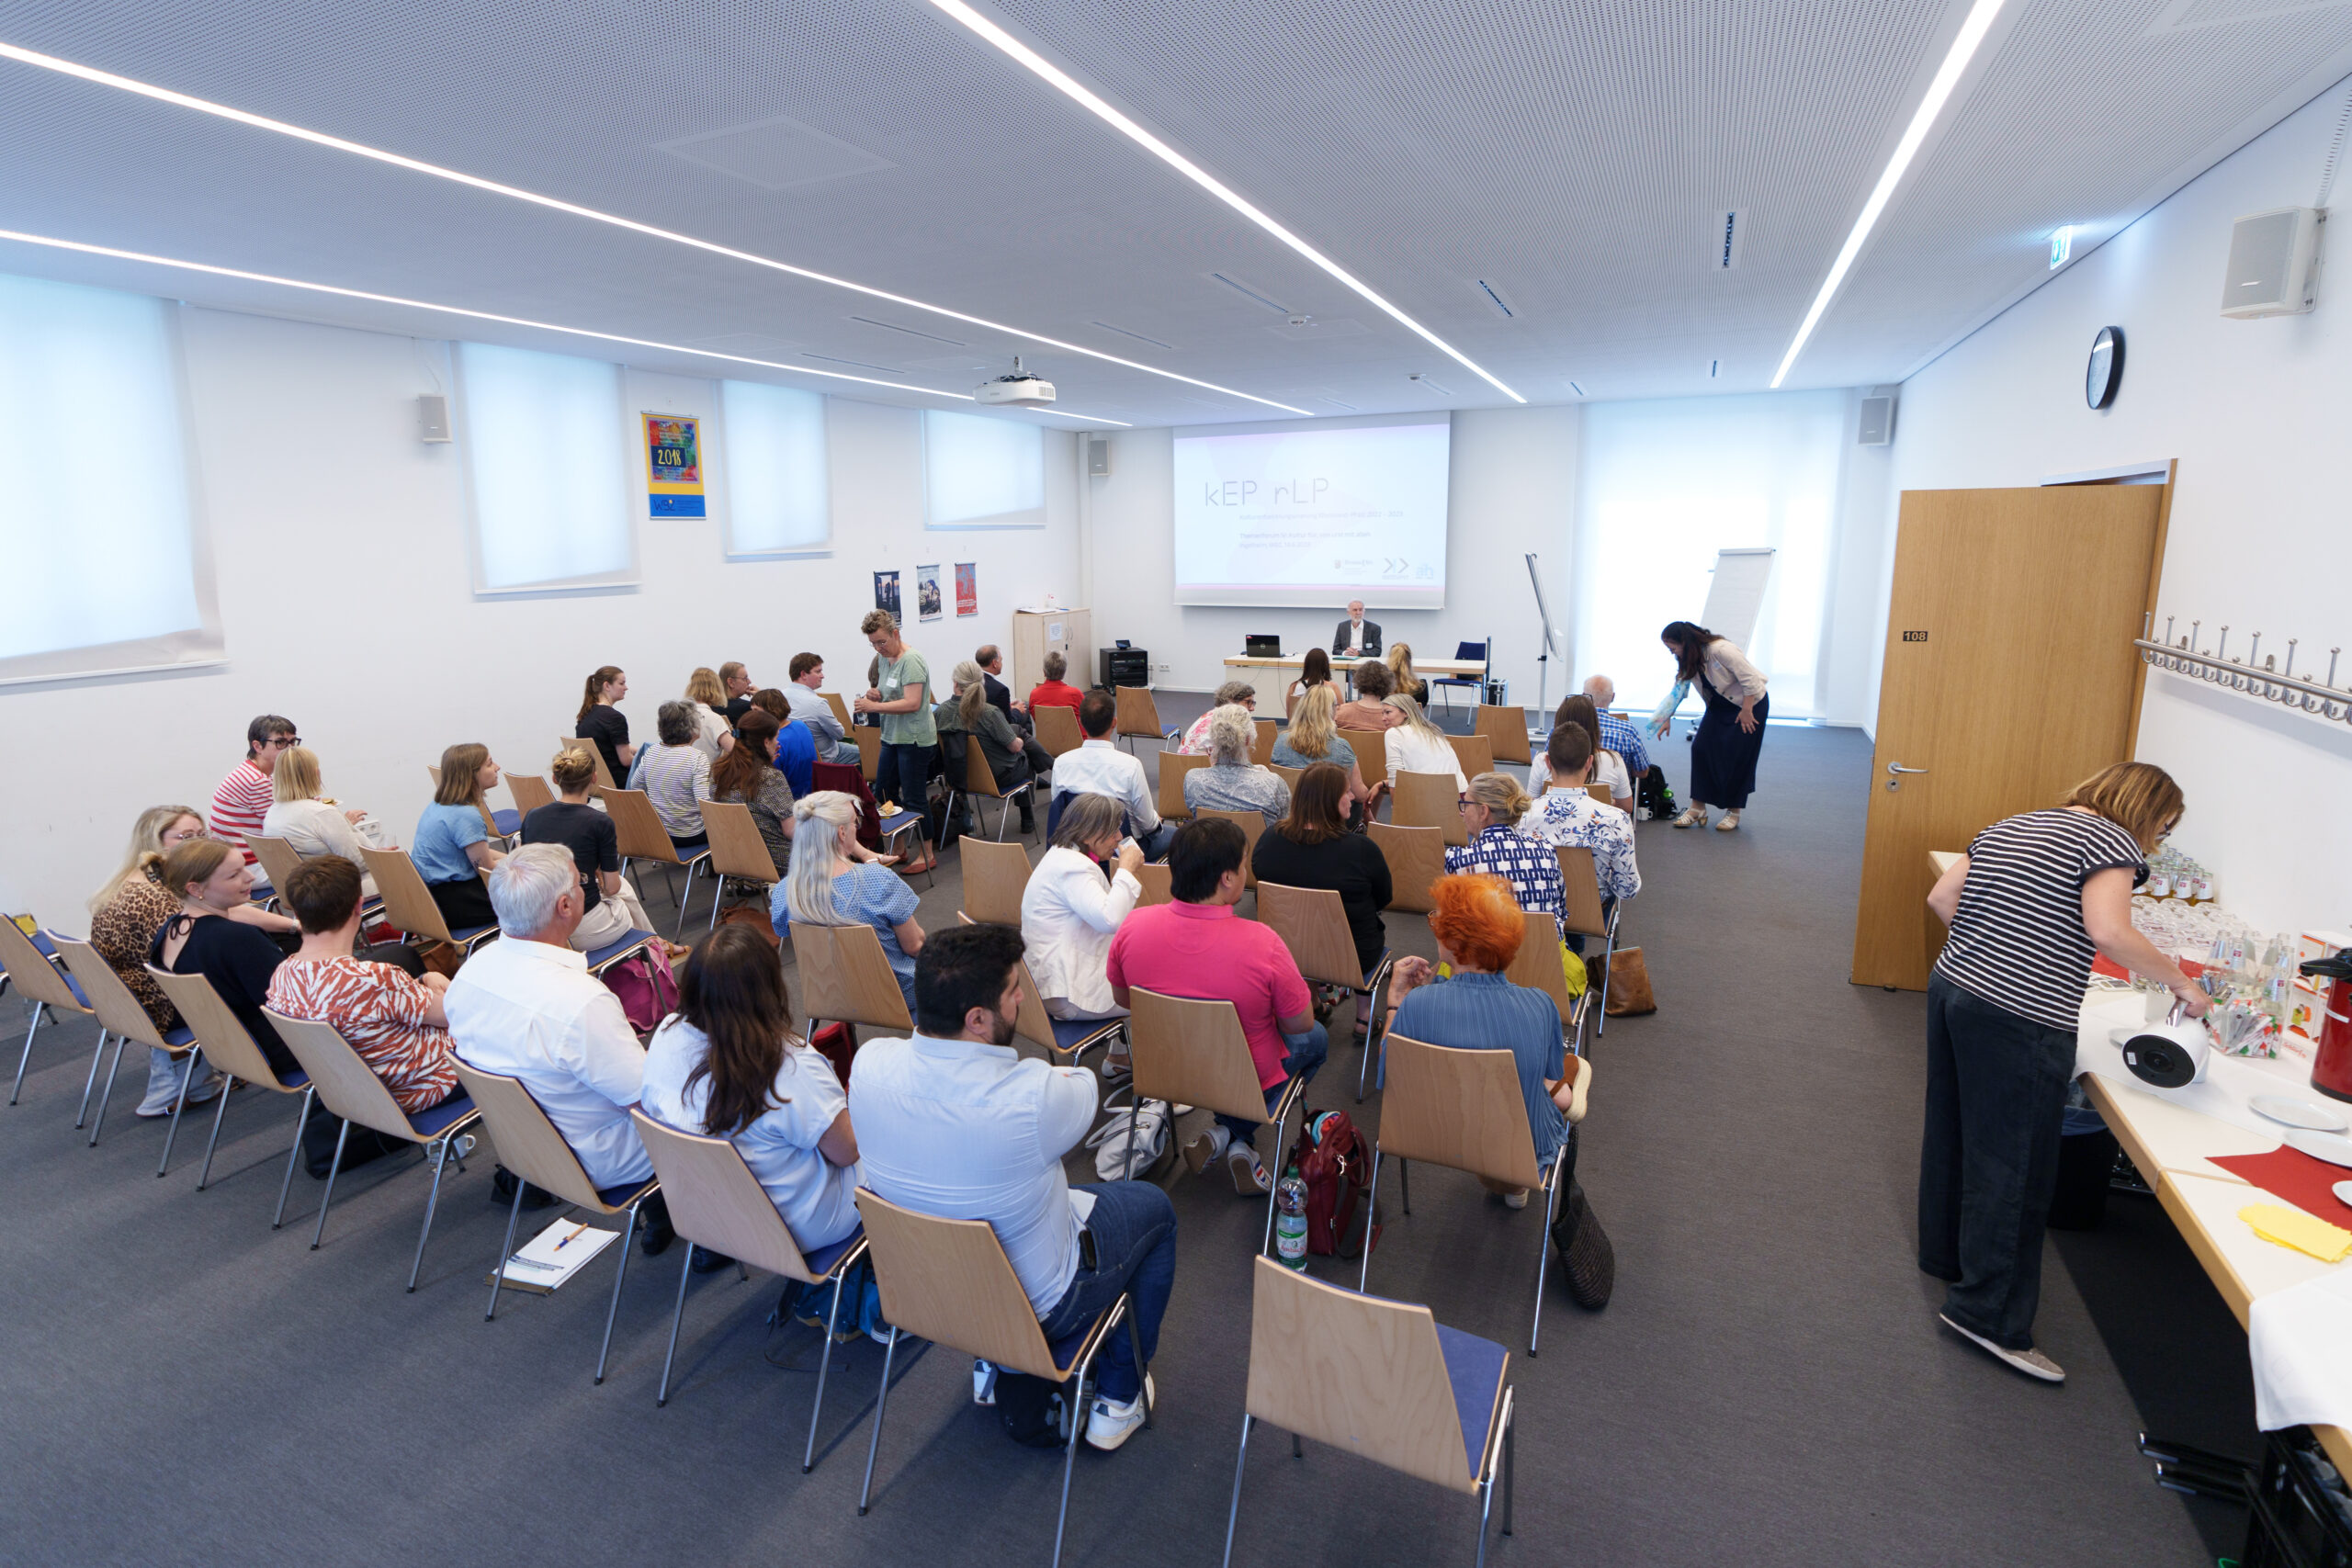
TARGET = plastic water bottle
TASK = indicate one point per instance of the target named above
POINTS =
(1290, 1220)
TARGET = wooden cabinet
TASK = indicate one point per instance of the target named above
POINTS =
(1036, 632)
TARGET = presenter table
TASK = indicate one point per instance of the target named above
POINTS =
(1422, 667)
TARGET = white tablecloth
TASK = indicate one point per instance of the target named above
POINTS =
(2301, 1340)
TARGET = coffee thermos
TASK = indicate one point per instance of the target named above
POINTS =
(2331, 1067)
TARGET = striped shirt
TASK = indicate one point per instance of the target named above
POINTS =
(2018, 939)
(243, 798)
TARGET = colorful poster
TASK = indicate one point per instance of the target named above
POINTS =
(674, 465)
(968, 588)
(927, 599)
(886, 592)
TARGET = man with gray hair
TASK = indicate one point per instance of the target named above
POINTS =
(526, 1007)
(1616, 734)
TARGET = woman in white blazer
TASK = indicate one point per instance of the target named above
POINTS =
(1417, 746)
(1071, 910)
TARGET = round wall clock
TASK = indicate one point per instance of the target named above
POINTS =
(2105, 371)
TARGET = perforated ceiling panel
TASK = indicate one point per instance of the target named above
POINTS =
(1574, 155)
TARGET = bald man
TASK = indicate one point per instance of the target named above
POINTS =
(1616, 734)
(1357, 638)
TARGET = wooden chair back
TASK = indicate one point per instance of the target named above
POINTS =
(1138, 715)
(638, 829)
(1173, 768)
(1475, 754)
(407, 905)
(949, 1281)
(1537, 967)
(346, 1085)
(1371, 749)
(278, 859)
(529, 1144)
(1262, 753)
(1506, 731)
(1362, 1373)
(978, 777)
(995, 877)
(1415, 858)
(844, 978)
(715, 1201)
(1159, 886)
(735, 846)
(869, 751)
(119, 1011)
(1313, 923)
(227, 1046)
(1458, 1108)
(1057, 729)
(31, 973)
(1430, 800)
(1251, 824)
(605, 779)
(1290, 776)
(841, 708)
(1582, 881)
(1191, 1052)
(530, 791)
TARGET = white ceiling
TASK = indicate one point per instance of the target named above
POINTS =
(1574, 155)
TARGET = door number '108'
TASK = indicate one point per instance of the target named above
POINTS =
(1914, 637)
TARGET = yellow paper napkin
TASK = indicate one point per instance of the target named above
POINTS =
(2304, 1233)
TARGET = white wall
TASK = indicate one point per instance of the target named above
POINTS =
(340, 549)
(2255, 412)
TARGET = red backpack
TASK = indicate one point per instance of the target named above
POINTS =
(649, 992)
(1335, 1161)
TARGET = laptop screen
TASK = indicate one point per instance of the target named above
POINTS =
(1262, 647)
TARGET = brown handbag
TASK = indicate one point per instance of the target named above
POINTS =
(754, 914)
(1629, 984)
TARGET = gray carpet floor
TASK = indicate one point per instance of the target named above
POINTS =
(1769, 1386)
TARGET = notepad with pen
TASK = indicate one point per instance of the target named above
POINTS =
(555, 1254)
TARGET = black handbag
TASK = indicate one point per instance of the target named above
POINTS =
(1586, 1259)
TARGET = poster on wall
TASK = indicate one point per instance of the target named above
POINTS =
(927, 599)
(886, 592)
(674, 465)
(968, 588)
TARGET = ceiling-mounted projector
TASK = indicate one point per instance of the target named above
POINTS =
(1020, 389)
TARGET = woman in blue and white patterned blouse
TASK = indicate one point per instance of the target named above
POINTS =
(1490, 815)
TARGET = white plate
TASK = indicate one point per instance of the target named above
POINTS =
(2322, 1146)
(2343, 1191)
(2296, 1112)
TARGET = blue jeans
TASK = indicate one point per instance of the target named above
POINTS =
(1306, 1054)
(1155, 844)
(1133, 1231)
(903, 774)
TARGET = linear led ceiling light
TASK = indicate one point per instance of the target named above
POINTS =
(1963, 49)
(1046, 71)
(359, 148)
(83, 248)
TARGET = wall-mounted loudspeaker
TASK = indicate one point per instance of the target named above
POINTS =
(1098, 456)
(2274, 262)
(1877, 425)
(432, 417)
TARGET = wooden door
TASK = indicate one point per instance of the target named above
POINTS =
(2009, 677)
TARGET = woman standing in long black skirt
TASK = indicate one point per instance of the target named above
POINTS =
(1731, 733)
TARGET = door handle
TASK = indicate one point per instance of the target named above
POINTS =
(1894, 768)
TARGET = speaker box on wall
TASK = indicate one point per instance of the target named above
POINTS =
(432, 417)
(1098, 456)
(2274, 264)
(1877, 426)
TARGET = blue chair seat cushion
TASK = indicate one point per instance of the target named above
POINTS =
(43, 945)
(440, 1119)
(896, 822)
(621, 949)
(183, 1035)
(1070, 1033)
(75, 987)
(820, 1262)
(627, 1192)
(506, 823)
(1475, 1368)
(293, 1078)
(470, 932)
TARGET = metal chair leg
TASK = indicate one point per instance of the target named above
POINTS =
(685, 898)
(629, 1234)
(228, 1082)
(1295, 1095)
(498, 1269)
(172, 1132)
(1510, 1451)
(432, 1201)
(19, 1087)
(90, 1083)
(1143, 1368)
(1070, 1454)
(1544, 1252)
(1232, 1512)
(1371, 1202)
(874, 1443)
(685, 1272)
(98, 1123)
(286, 1183)
(824, 1365)
(333, 1169)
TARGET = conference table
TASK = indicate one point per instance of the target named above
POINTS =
(1426, 669)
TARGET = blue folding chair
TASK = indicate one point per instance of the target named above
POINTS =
(1476, 684)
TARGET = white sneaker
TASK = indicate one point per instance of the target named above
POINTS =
(1109, 1424)
(983, 1382)
(1249, 1177)
(1515, 1200)
(2033, 1363)
(1210, 1145)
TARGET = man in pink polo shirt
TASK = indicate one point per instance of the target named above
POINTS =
(1197, 947)
(246, 795)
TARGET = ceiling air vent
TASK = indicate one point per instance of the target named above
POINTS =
(1494, 298)
(1731, 233)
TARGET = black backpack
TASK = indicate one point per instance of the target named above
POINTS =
(1654, 796)
(1034, 1411)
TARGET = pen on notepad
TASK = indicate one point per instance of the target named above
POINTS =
(575, 1231)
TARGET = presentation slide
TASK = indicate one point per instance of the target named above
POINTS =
(1313, 515)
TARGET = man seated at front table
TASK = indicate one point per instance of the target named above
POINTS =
(526, 1007)
(1197, 947)
(1357, 638)
(824, 726)
(1099, 767)
(956, 1123)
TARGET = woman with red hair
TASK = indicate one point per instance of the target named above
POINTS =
(1478, 928)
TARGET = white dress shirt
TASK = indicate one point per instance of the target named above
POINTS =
(532, 1012)
(970, 1131)
(1098, 767)
(1068, 914)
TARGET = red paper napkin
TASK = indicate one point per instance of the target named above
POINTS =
(2102, 965)
(2296, 1177)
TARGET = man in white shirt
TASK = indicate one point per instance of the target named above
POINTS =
(954, 1122)
(526, 1007)
(1099, 767)
(1356, 638)
(833, 744)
